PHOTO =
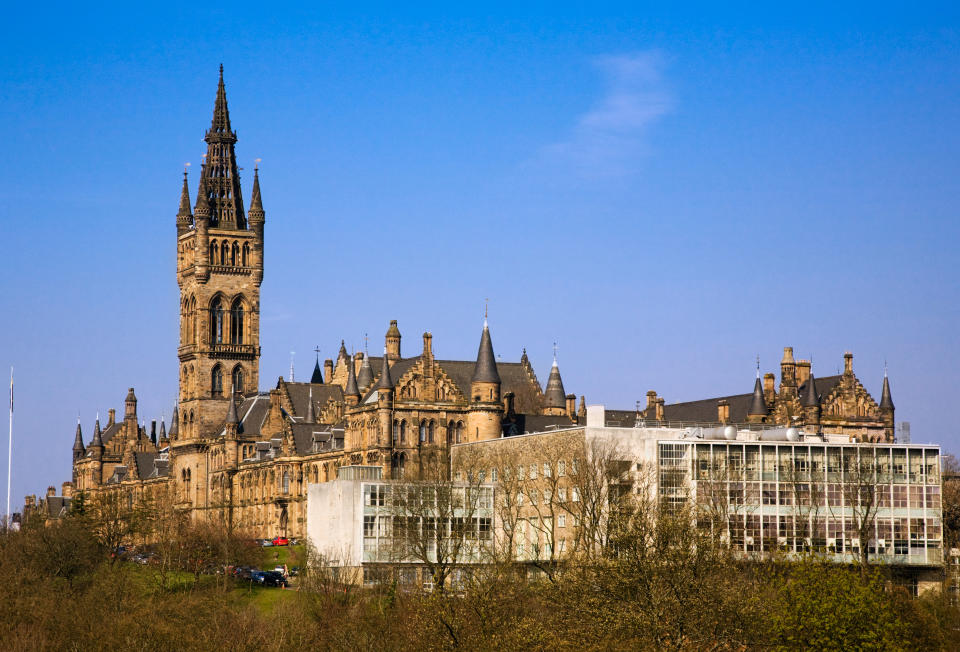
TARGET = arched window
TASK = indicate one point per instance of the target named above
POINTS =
(430, 431)
(396, 432)
(216, 381)
(246, 253)
(286, 482)
(224, 252)
(236, 322)
(459, 431)
(235, 253)
(237, 380)
(213, 253)
(403, 432)
(423, 432)
(216, 321)
(193, 319)
(451, 432)
(191, 417)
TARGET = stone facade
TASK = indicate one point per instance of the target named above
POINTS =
(246, 457)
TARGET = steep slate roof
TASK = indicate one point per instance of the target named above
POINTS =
(57, 506)
(147, 464)
(300, 396)
(253, 410)
(108, 434)
(705, 410)
(303, 434)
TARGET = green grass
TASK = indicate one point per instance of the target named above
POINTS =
(264, 598)
(279, 555)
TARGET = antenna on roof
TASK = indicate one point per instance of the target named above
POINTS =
(292, 353)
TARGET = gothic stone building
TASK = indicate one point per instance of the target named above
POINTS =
(246, 457)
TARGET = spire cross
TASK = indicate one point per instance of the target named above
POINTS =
(316, 350)
(366, 342)
(758, 365)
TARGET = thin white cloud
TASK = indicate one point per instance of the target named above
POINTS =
(608, 139)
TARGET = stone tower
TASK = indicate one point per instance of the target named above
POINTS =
(219, 271)
(486, 411)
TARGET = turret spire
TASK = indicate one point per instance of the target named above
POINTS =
(555, 396)
(385, 382)
(811, 398)
(758, 406)
(365, 377)
(232, 412)
(97, 439)
(78, 448)
(220, 177)
(174, 422)
(886, 399)
(310, 416)
(184, 216)
(485, 371)
(351, 389)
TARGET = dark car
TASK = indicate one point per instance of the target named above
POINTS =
(273, 578)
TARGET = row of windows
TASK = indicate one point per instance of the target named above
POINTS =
(216, 379)
(427, 431)
(226, 324)
(226, 253)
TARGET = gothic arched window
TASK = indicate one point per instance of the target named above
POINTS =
(192, 321)
(396, 432)
(224, 252)
(459, 437)
(216, 322)
(216, 381)
(430, 431)
(237, 380)
(236, 322)
(235, 254)
(451, 432)
(246, 254)
(423, 432)
(213, 253)
(403, 432)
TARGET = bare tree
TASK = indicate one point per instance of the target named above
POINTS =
(860, 492)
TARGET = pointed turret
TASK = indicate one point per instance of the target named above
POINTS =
(256, 213)
(232, 417)
(554, 398)
(220, 177)
(351, 392)
(758, 405)
(310, 417)
(78, 448)
(164, 440)
(385, 382)
(365, 377)
(174, 423)
(97, 438)
(810, 397)
(886, 399)
(342, 353)
(202, 208)
(317, 377)
(485, 371)
(184, 216)
(392, 341)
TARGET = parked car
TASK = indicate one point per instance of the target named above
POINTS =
(273, 578)
(281, 541)
(266, 543)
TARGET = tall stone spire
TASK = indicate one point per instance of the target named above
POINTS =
(554, 397)
(184, 216)
(886, 399)
(365, 377)
(256, 205)
(220, 177)
(485, 371)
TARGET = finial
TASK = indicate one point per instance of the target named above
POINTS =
(366, 343)
(292, 353)
(185, 167)
(221, 71)
(758, 365)
(554, 354)
(256, 164)
(884, 367)
(316, 350)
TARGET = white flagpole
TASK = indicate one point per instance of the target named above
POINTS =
(10, 448)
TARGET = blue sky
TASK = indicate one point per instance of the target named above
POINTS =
(665, 192)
